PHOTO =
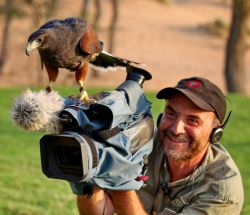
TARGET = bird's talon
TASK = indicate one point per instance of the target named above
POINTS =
(85, 99)
(48, 89)
(88, 101)
(83, 95)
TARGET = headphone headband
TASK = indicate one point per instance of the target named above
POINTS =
(229, 114)
(217, 133)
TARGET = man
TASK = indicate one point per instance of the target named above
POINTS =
(189, 171)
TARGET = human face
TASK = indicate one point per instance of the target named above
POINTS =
(184, 129)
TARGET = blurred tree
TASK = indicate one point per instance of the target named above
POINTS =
(15, 9)
(85, 13)
(51, 6)
(235, 68)
(84, 9)
(166, 1)
(98, 12)
(9, 11)
(112, 27)
(40, 10)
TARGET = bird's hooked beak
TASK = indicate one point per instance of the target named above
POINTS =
(31, 46)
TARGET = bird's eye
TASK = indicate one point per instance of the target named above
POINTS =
(40, 40)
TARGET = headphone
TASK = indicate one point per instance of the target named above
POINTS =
(217, 133)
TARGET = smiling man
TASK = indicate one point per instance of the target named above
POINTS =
(189, 171)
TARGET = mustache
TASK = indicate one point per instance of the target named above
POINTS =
(177, 138)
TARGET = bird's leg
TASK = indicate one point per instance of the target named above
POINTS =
(83, 93)
(80, 76)
(52, 73)
(49, 87)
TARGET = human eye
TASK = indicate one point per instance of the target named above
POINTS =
(193, 121)
(170, 113)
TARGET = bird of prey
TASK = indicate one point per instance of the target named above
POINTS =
(72, 44)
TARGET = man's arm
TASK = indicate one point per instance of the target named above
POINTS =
(98, 203)
(127, 203)
(121, 202)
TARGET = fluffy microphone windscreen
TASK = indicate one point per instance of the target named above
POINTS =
(38, 111)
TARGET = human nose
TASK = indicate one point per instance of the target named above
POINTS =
(178, 127)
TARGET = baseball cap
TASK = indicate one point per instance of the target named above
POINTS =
(201, 92)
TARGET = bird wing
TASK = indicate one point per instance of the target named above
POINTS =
(89, 42)
(52, 23)
(71, 22)
(106, 60)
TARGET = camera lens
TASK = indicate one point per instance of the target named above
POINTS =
(69, 155)
(62, 157)
(69, 158)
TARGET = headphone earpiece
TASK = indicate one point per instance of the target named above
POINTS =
(216, 135)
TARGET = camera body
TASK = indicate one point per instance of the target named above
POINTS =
(105, 143)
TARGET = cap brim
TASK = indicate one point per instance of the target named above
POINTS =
(169, 91)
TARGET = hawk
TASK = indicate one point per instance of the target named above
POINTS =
(71, 43)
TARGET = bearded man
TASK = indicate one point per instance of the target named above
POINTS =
(189, 171)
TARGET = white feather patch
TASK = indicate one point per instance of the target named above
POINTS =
(107, 69)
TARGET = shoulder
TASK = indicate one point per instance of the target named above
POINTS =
(216, 186)
(221, 164)
(221, 179)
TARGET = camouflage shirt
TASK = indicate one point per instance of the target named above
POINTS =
(214, 187)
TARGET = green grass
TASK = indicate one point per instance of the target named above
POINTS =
(25, 190)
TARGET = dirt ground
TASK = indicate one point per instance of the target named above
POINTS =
(164, 37)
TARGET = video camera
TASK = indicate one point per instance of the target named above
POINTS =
(105, 143)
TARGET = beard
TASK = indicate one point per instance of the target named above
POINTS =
(175, 151)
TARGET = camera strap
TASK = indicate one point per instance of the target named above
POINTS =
(93, 150)
(89, 141)
(108, 133)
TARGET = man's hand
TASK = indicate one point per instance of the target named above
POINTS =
(98, 203)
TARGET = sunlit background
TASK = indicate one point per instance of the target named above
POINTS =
(175, 39)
